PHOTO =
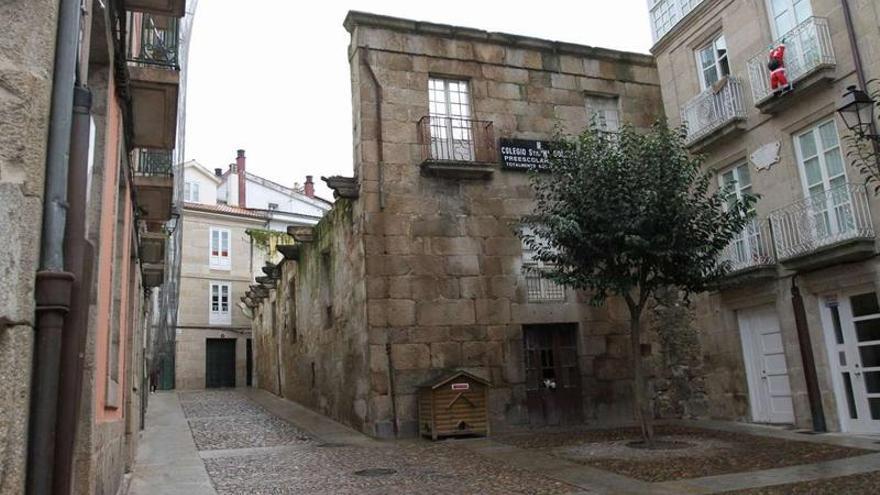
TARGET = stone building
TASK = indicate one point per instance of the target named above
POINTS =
(88, 130)
(223, 213)
(791, 336)
(417, 270)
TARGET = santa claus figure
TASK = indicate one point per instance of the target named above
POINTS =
(778, 79)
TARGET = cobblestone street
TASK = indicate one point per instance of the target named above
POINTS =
(248, 450)
(251, 442)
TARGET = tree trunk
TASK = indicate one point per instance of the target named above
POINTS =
(640, 400)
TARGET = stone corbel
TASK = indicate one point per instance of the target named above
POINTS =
(343, 187)
(301, 234)
(289, 251)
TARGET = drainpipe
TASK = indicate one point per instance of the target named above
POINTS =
(53, 284)
(391, 389)
(809, 363)
(78, 260)
(380, 154)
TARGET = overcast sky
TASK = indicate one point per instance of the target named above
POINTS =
(272, 76)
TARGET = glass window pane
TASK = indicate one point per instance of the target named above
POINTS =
(808, 145)
(828, 135)
(870, 355)
(802, 10)
(813, 171)
(874, 405)
(834, 163)
(872, 382)
(835, 320)
(707, 59)
(710, 75)
(868, 330)
(850, 399)
(864, 304)
(743, 176)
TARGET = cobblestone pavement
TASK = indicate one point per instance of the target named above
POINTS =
(232, 433)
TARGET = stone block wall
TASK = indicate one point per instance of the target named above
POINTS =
(318, 331)
(27, 50)
(445, 285)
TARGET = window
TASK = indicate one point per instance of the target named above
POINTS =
(539, 288)
(712, 62)
(220, 255)
(749, 246)
(785, 15)
(449, 113)
(604, 111)
(191, 191)
(273, 206)
(824, 179)
(219, 300)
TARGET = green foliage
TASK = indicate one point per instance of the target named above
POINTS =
(628, 213)
(263, 238)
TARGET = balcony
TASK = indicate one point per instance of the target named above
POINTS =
(809, 60)
(154, 79)
(152, 247)
(750, 257)
(154, 184)
(716, 112)
(170, 8)
(830, 227)
(457, 148)
(154, 274)
(666, 14)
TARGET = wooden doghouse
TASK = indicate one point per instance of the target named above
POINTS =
(455, 405)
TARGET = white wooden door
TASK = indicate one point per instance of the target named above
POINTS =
(853, 336)
(766, 367)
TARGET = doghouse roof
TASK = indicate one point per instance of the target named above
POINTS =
(448, 378)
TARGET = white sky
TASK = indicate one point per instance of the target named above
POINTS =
(272, 76)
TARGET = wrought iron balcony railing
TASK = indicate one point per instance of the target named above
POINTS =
(665, 14)
(752, 249)
(154, 40)
(824, 219)
(154, 163)
(456, 139)
(807, 48)
(713, 108)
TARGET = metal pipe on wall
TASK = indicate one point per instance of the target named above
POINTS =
(78, 260)
(53, 284)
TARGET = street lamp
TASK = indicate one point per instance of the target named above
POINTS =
(857, 111)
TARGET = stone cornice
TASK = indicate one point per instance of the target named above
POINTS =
(355, 18)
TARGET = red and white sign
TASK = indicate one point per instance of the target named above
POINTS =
(461, 386)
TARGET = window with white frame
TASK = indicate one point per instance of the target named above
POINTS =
(220, 253)
(747, 246)
(538, 287)
(220, 293)
(785, 15)
(604, 110)
(191, 191)
(824, 179)
(712, 62)
(449, 109)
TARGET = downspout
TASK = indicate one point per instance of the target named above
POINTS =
(809, 362)
(78, 260)
(53, 284)
(380, 154)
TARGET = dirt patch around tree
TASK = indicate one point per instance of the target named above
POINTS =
(856, 484)
(710, 453)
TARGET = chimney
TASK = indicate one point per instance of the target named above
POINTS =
(218, 172)
(309, 187)
(240, 168)
(232, 181)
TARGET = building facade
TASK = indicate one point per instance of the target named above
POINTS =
(417, 270)
(791, 337)
(87, 173)
(226, 243)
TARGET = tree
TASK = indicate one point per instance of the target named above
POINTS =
(626, 214)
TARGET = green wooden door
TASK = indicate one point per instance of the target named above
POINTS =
(220, 363)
